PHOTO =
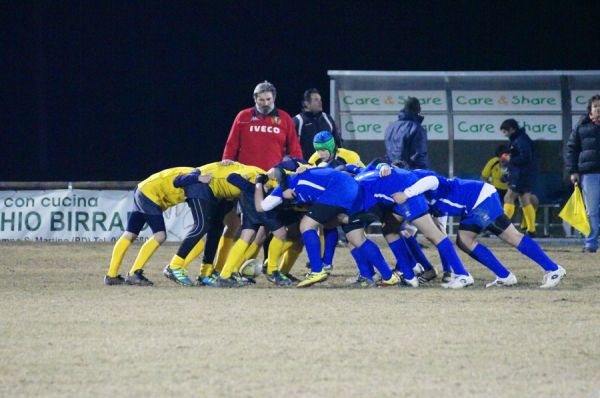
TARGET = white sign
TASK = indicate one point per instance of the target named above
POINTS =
(580, 98)
(522, 100)
(487, 127)
(372, 127)
(78, 215)
(390, 101)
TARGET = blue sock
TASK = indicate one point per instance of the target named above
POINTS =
(487, 258)
(447, 252)
(445, 265)
(371, 253)
(313, 249)
(364, 267)
(531, 249)
(401, 252)
(331, 239)
(417, 252)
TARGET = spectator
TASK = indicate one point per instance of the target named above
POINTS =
(406, 139)
(312, 120)
(583, 164)
(522, 172)
(263, 134)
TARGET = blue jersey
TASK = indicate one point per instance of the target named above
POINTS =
(326, 186)
(380, 190)
(475, 201)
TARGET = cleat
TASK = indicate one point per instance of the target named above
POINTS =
(264, 266)
(110, 281)
(447, 277)
(312, 278)
(242, 279)
(279, 279)
(178, 275)
(291, 277)
(552, 278)
(138, 279)
(229, 282)
(418, 269)
(393, 281)
(210, 280)
(362, 282)
(428, 276)
(414, 282)
(328, 268)
(459, 282)
(510, 280)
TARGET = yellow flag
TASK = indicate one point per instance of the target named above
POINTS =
(574, 212)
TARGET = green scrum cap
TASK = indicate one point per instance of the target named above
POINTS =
(324, 140)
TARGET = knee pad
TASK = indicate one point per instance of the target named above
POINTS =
(499, 225)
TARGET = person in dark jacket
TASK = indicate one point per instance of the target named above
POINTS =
(582, 162)
(406, 139)
(312, 120)
(522, 171)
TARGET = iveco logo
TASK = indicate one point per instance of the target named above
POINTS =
(265, 129)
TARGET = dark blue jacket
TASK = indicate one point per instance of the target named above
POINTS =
(522, 168)
(583, 148)
(406, 140)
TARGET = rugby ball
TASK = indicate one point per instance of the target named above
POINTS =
(251, 268)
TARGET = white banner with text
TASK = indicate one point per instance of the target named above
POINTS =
(372, 127)
(390, 101)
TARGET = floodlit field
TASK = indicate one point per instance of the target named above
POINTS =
(63, 333)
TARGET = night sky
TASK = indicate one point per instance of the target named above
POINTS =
(108, 90)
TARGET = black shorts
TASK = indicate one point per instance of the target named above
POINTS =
(360, 221)
(273, 219)
(323, 213)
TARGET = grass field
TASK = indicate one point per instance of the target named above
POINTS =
(63, 333)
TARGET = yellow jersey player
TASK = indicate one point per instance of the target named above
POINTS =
(205, 201)
(329, 155)
(151, 198)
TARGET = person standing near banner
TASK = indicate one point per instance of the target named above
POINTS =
(582, 162)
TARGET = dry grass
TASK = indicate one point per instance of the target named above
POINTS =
(63, 333)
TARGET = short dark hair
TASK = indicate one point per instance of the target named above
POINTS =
(308, 94)
(589, 105)
(412, 105)
(508, 124)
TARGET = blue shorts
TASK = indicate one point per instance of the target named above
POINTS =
(485, 213)
(145, 211)
(413, 208)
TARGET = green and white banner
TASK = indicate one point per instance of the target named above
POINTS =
(519, 100)
(487, 127)
(580, 98)
(372, 127)
(77, 215)
(390, 101)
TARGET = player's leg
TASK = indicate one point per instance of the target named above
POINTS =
(134, 226)
(232, 224)
(509, 203)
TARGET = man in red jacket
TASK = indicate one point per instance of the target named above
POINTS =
(262, 135)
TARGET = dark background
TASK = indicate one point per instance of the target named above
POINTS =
(107, 90)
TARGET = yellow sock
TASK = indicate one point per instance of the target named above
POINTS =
(290, 257)
(509, 210)
(251, 251)
(117, 256)
(206, 269)
(223, 249)
(193, 254)
(234, 259)
(148, 248)
(176, 262)
(275, 251)
(529, 216)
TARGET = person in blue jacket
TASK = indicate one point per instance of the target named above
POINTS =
(522, 171)
(406, 138)
(478, 205)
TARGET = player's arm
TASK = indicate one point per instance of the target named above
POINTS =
(263, 204)
(428, 183)
(190, 178)
(240, 182)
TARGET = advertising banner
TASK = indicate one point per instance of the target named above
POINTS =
(390, 101)
(521, 100)
(77, 215)
(372, 127)
(580, 98)
(487, 127)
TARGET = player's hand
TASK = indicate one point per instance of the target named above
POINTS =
(343, 218)
(262, 179)
(205, 178)
(400, 197)
(289, 194)
(575, 178)
(301, 169)
(385, 171)
(227, 162)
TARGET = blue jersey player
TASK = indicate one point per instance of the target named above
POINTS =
(388, 191)
(329, 193)
(478, 205)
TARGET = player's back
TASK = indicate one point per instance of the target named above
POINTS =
(219, 185)
(159, 187)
